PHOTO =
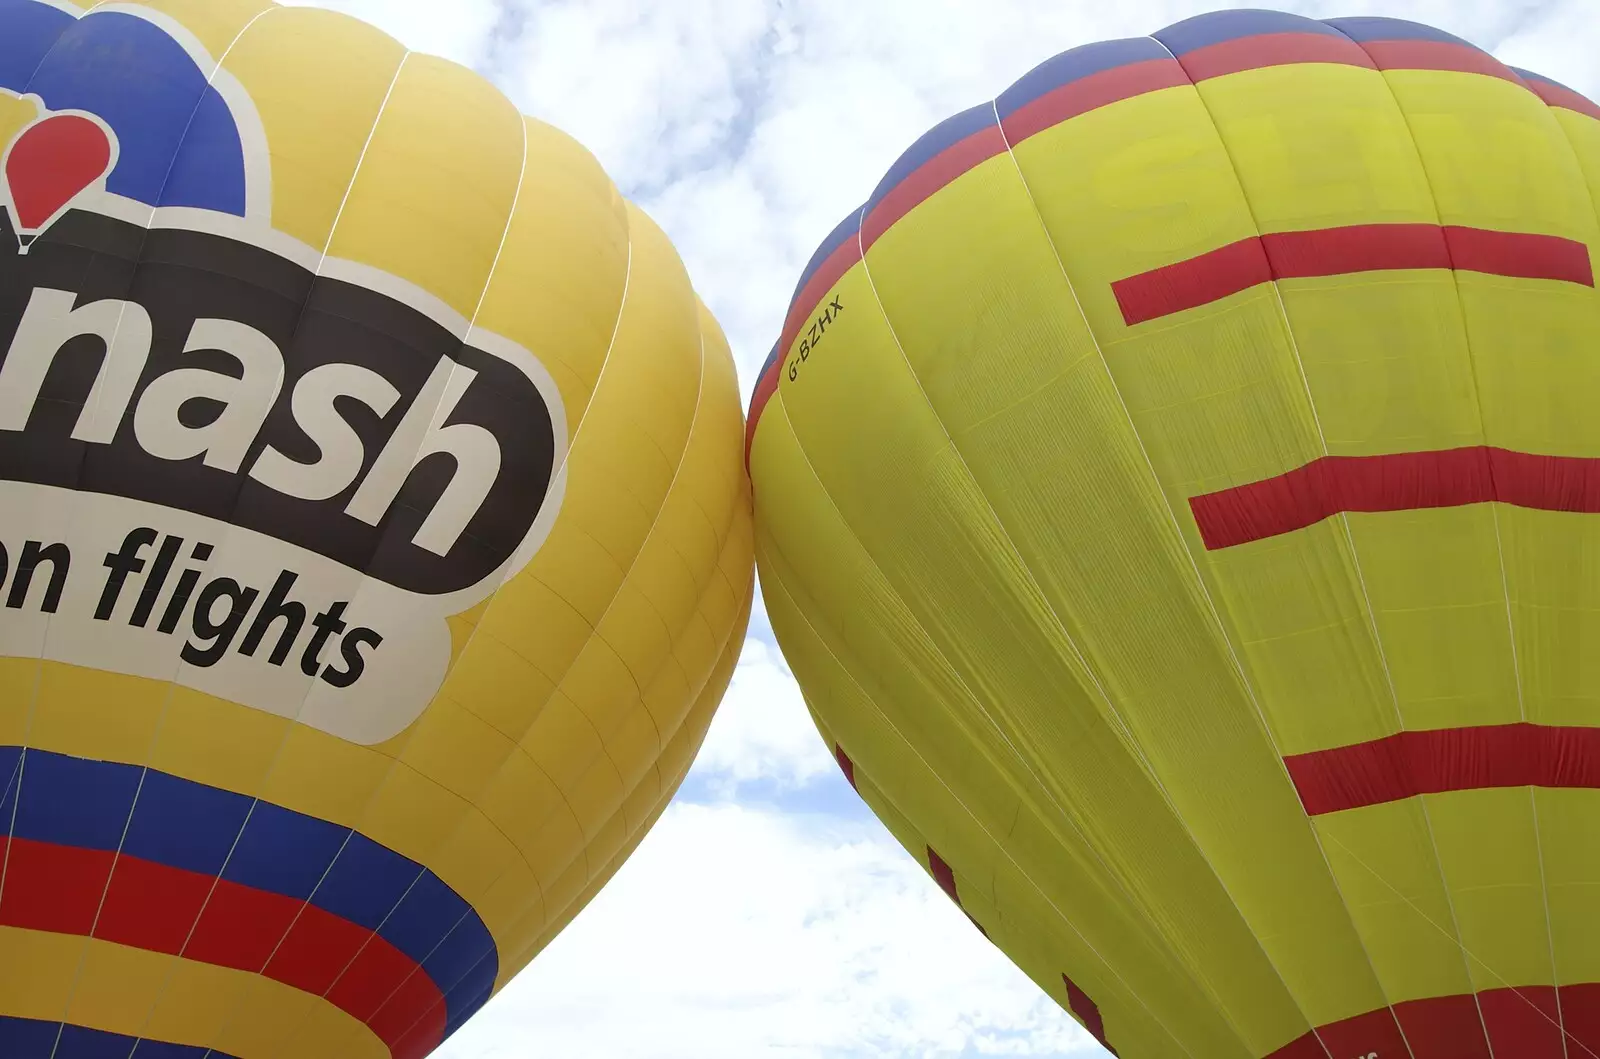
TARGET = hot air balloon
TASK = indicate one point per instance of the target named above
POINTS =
(1178, 495)
(374, 544)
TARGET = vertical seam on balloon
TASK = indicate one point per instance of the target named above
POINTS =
(1422, 802)
(294, 719)
(605, 750)
(410, 733)
(1494, 514)
(605, 363)
(1594, 208)
(88, 940)
(1505, 588)
(622, 584)
(1283, 315)
(1159, 943)
(1111, 875)
(594, 629)
(623, 803)
(1160, 491)
(668, 785)
(472, 323)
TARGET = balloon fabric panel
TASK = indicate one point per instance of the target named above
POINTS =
(1173, 498)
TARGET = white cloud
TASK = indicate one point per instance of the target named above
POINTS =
(738, 933)
(762, 731)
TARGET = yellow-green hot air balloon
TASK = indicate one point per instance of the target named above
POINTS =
(1178, 494)
(374, 544)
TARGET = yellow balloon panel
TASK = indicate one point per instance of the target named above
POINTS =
(375, 546)
(1173, 495)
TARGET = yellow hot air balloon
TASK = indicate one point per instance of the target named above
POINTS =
(374, 545)
(1178, 495)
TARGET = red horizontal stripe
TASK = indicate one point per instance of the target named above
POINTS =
(917, 188)
(1401, 481)
(1437, 55)
(1338, 251)
(1525, 1022)
(1272, 49)
(1356, 248)
(1092, 93)
(159, 909)
(1560, 96)
(1434, 761)
(1519, 255)
(1189, 284)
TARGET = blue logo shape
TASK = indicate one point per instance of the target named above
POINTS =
(180, 142)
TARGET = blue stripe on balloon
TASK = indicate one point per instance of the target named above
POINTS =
(1075, 65)
(32, 29)
(34, 1039)
(1367, 29)
(842, 233)
(1219, 27)
(183, 824)
(933, 143)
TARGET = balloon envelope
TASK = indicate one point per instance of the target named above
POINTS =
(1176, 494)
(374, 546)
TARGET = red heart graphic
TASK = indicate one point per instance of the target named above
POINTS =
(50, 163)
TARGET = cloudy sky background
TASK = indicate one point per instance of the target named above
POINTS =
(768, 915)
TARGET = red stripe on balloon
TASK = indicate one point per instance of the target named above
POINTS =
(154, 907)
(1091, 93)
(1433, 761)
(1251, 262)
(1400, 481)
(945, 876)
(1563, 97)
(1272, 49)
(1525, 1021)
(848, 767)
(1088, 1013)
(927, 179)
(1437, 55)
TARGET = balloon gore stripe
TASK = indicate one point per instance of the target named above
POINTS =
(160, 863)
(1251, 262)
(1400, 481)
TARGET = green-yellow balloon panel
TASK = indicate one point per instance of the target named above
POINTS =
(323, 712)
(1176, 493)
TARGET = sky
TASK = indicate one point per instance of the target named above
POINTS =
(768, 915)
